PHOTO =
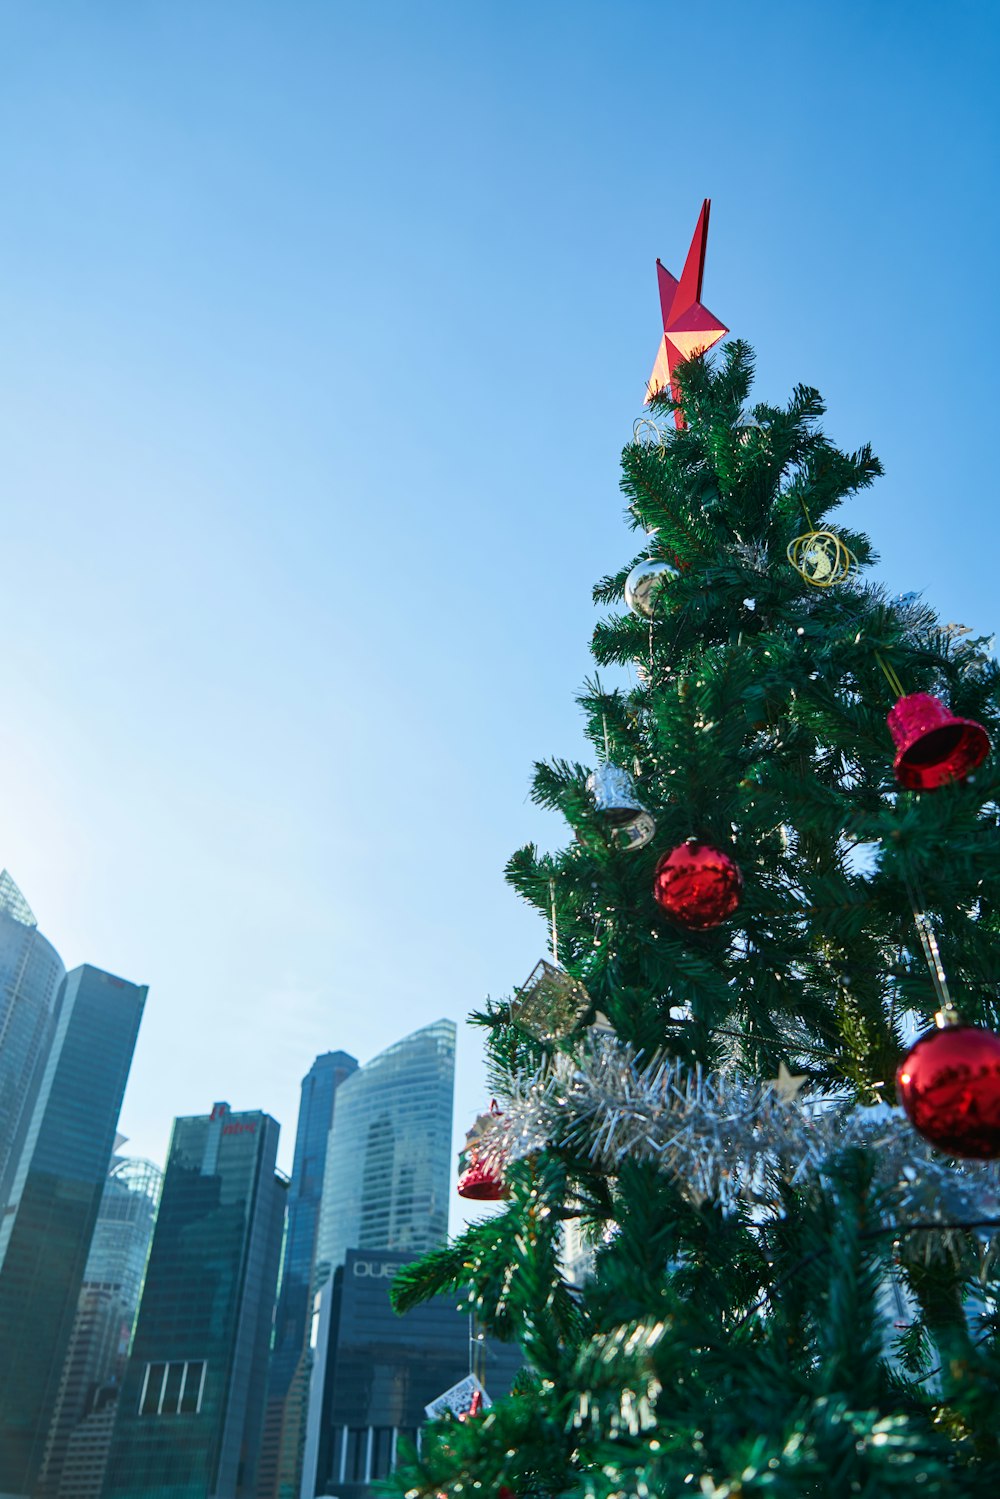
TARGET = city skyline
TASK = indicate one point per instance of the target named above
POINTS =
(29, 952)
(376, 1177)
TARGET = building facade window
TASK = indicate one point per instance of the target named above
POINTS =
(382, 1454)
(356, 1455)
(362, 1454)
(192, 1388)
(173, 1389)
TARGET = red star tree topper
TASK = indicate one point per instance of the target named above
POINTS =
(688, 327)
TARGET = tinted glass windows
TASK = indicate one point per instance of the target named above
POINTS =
(172, 1389)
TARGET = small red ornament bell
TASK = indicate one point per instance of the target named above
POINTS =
(479, 1182)
(697, 885)
(932, 745)
(949, 1085)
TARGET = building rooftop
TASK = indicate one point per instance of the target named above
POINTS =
(14, 903)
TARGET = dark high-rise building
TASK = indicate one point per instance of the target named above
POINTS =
(385, 1369)
(46, 1229)
(288, 1377)
(80, 1431)
(192, 1402)
(387, 1186)
(30, 974)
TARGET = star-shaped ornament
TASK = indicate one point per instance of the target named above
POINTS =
(688, 327)
(785, 1086)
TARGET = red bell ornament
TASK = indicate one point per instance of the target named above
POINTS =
(932, 745)
(949, 1085)
(479, 1182)
(697, 885)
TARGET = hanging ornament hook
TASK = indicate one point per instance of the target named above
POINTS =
(891, 675)
(947, 1014)
(555, 930)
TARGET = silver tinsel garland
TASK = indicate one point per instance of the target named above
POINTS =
(728, 1140)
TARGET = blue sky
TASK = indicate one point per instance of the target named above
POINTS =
(322, 329)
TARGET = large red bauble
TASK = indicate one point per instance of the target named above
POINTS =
(933, 747)
(949, 1084)
(697, 885)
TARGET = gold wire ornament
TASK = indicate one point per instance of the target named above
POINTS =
(821, 558)
(551, 1004)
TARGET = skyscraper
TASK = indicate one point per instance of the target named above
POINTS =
(388, 1178)
(288, 1376)
(387, 1186)
(192, 1402)
(79, 1434)
(46, 1229)
(384, 1370)
(30, 974)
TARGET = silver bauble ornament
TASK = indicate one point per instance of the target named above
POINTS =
(635, 834)
(748, 426)
(643, 584)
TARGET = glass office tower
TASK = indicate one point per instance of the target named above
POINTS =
(388, 1176)
(192, 1402)
(387, 1186)
(80, 1432)
(46, 1230)
(30, 974)
(288, 1375)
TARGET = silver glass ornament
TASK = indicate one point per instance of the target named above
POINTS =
(637, 833)
(748, 426)
(614, 794)
(643, 584)
(551, 1003)
(648, 435)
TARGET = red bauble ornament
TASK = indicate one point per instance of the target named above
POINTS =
(949, 1085)
(932, 745)
(697, 885)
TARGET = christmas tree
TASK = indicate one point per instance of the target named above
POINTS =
(769, 892)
